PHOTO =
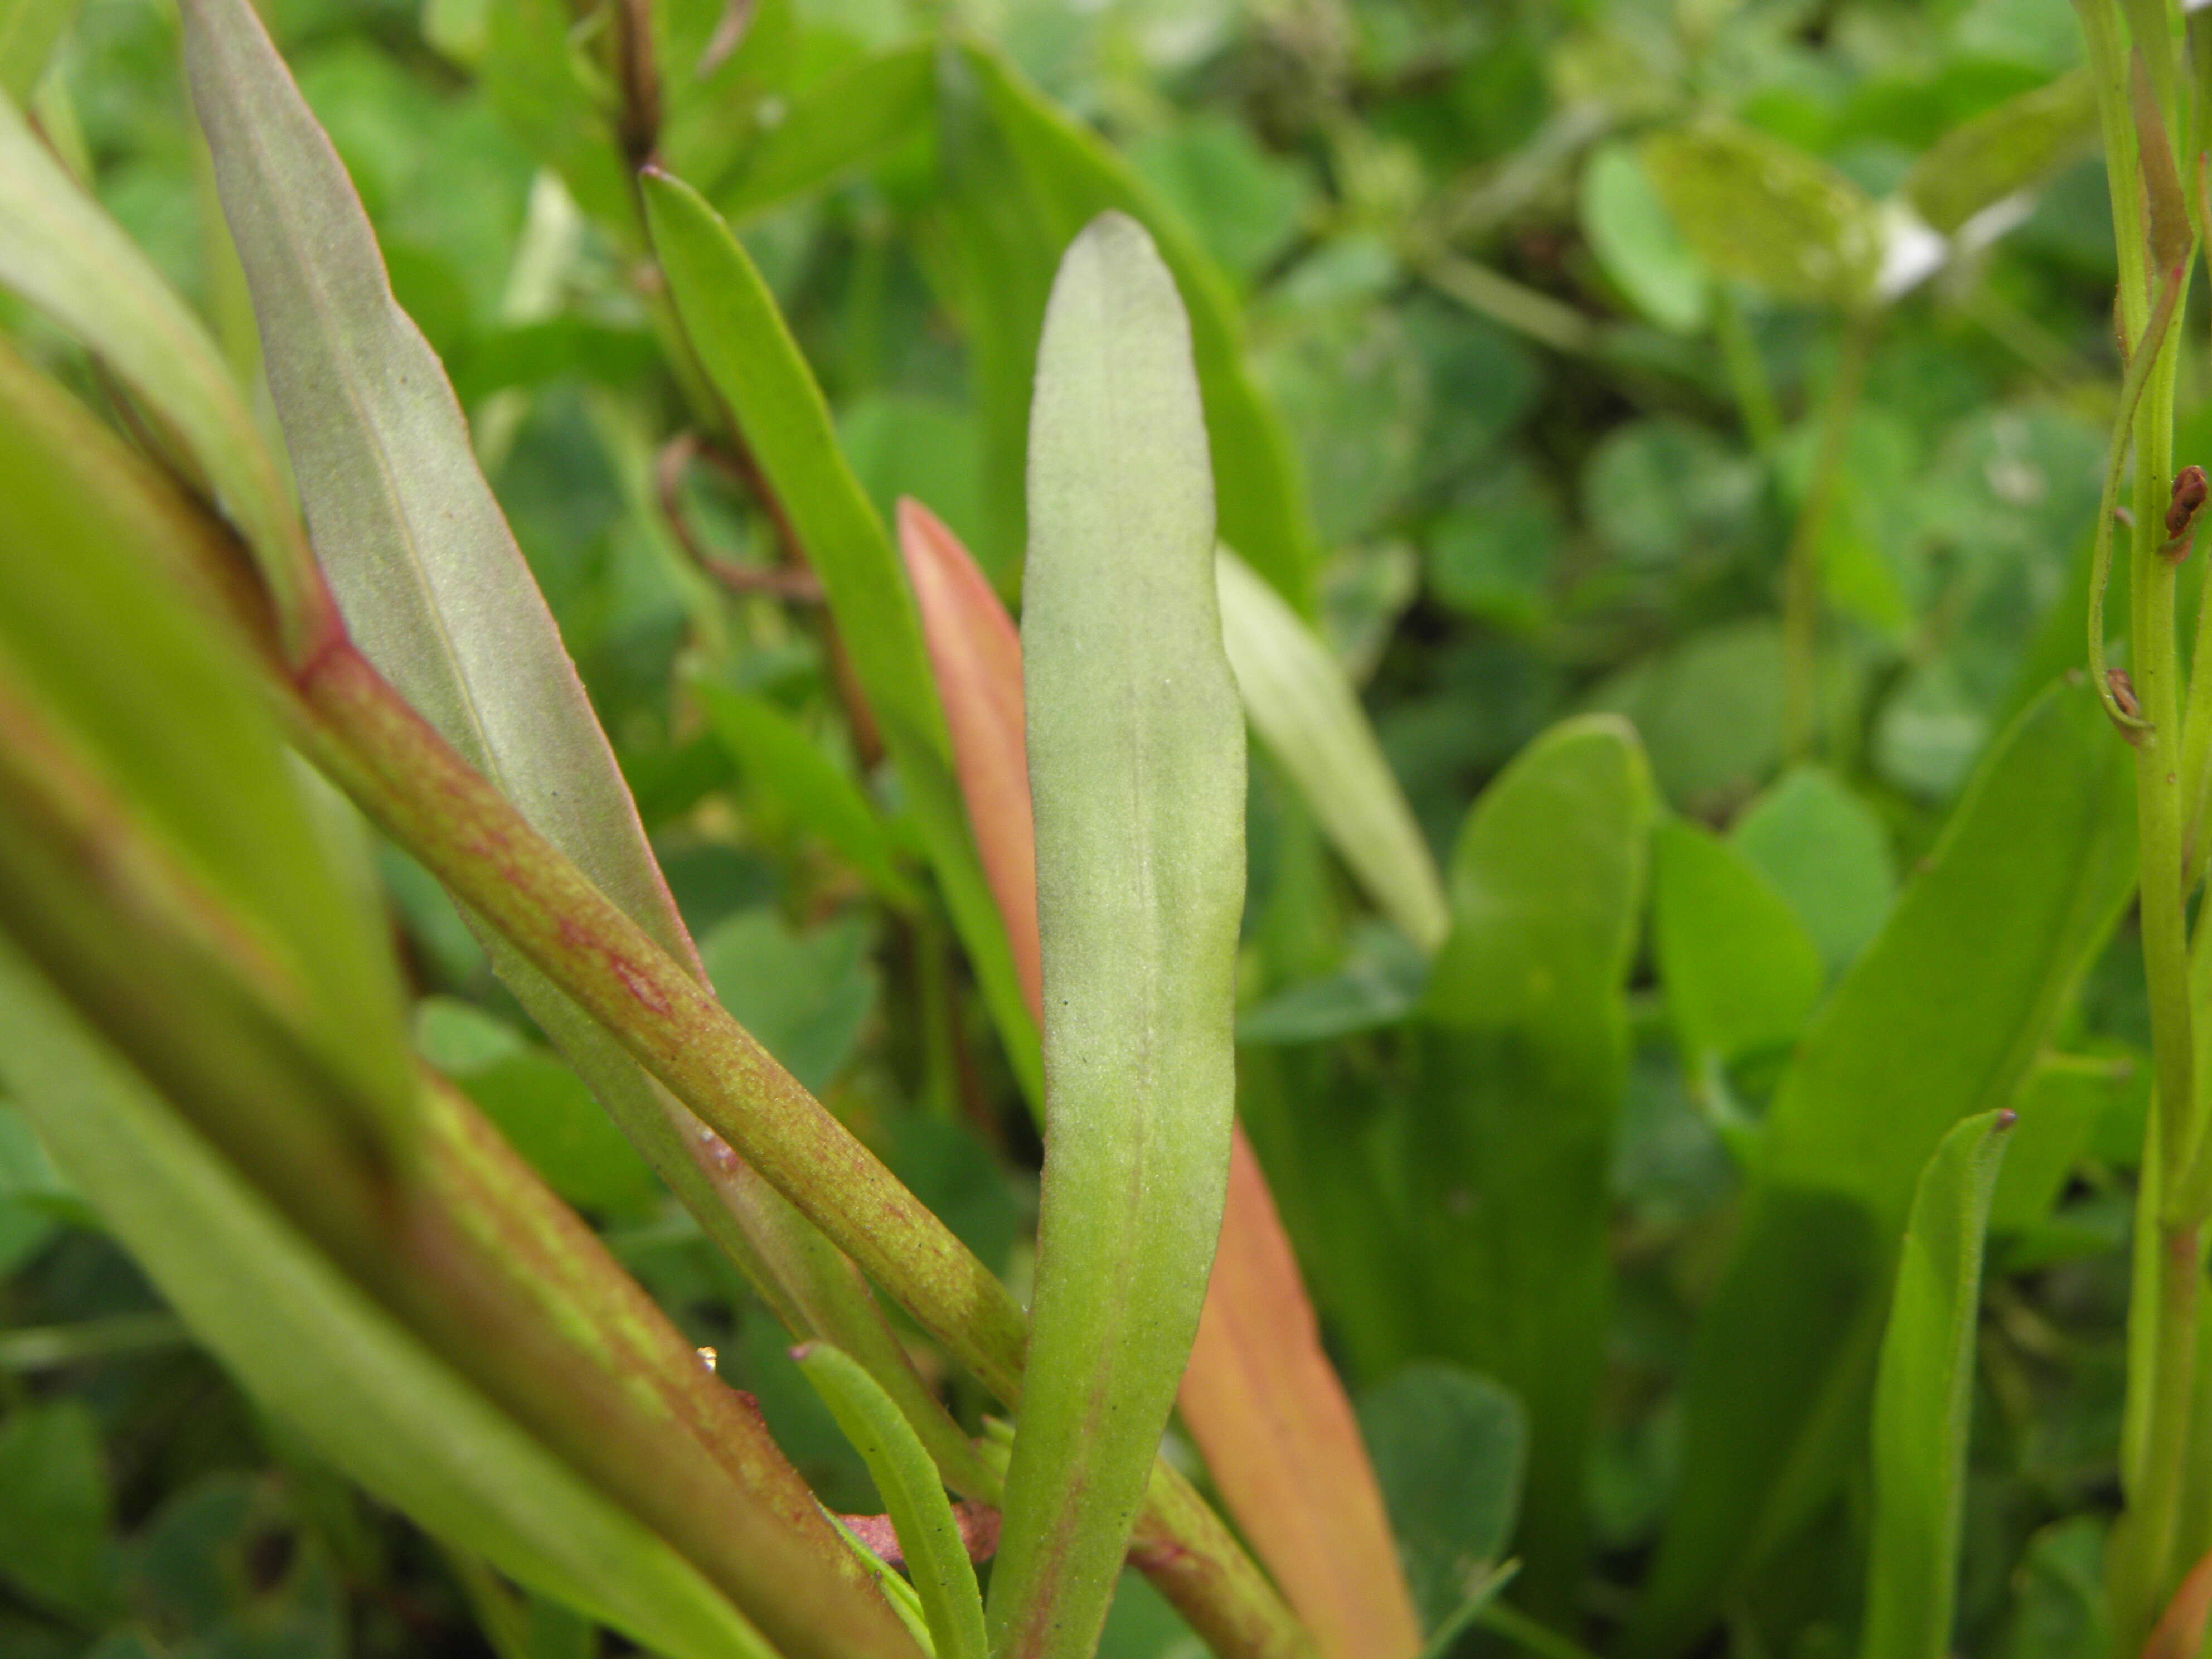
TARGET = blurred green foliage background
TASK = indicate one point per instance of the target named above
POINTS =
(1554, 455)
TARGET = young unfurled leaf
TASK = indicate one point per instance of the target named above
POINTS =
(1922, 1393)
(1941, 1018)
(1136, 757)
(976, 656)
(1306, 711)
(1524, 1060)
(928, 1533)
(1259, 1397)
(1758, 209)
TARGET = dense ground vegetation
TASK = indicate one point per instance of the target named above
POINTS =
(1550, 415)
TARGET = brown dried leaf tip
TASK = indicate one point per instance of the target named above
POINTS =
(2190, 489)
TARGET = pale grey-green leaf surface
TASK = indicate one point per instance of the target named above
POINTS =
(1306, 712)
(437, 593)
(1923, 1392)
(1136, 757)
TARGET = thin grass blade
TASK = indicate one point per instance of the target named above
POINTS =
(1924, 1393)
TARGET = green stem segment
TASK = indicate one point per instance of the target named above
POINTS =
(1800, 599)
(359, 730)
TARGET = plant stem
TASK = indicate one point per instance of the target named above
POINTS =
(2143, 1566)
(1754, 394)
(1800, 595)
(356, 728)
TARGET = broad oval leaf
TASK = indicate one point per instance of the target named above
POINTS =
(1638, 244)
(1767, 214)
(1136, 755)
(1923, 1392)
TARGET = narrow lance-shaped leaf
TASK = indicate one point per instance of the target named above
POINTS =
(61, 252)
(439, 596)
(1136, 755)
(928, 1533)
(1524, 1062)
(1259, 1397)
(1302, 706)
(1923, 1392)
(844, 121)
(1941, 1018)
(755, 368)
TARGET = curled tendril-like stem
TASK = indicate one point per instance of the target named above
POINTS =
(2126, 716)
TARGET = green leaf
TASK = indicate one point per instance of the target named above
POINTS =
(1451, 1449)
(1766, 213)
(1827, 855)
(928, 1535)
(804, 996)
(1048, 177)
(754, 364)
(776, 757)
(311, 1347)
(1308, 714)
(438, 594)
(2003, 151)
(1941, 1018)
(1638, 244)
(1523, 1067)
(839, 123)
(1923, 1392)
(53, 1528)
(530, 72)
(1706, 712)
(61, 252)
(1741, 973)
(29, 30)
(1136, 759)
